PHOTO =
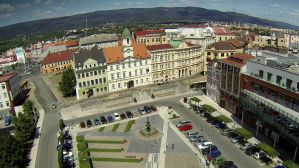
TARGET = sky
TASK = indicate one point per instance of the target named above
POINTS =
(16, 11)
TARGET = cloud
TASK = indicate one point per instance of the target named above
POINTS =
(6, 8)
(295, 12)
(5, 16)
(48, 2)
(37, 1)
(275, 5)
(23, 5)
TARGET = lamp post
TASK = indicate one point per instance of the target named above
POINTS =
(258, 124)
(295, 154)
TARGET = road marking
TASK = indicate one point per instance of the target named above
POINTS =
(150, 157)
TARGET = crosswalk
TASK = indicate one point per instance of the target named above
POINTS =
(153, 160)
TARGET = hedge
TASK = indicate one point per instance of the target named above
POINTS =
(80, 138)
(115, 127)
(208, 108)
(195, 99)
(117, 160)
(225, 119)
(101, 129)
(268, 149)
(81, 146)
(244, 133)
(290, 164)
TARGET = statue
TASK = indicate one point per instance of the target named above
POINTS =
(148, 125)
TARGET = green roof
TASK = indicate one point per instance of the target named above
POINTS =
(175, 43)
(126, 34)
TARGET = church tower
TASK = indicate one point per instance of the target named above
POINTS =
(127, 43)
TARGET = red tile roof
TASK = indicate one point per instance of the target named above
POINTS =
(7, 59)
(159, 47)
(222, 31)
(7, 77)
(114, 54)
(58, 57)
(222, 45)
(238, 60)
(72, 43)
(149, 32)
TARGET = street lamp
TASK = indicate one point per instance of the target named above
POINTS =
(258, 124)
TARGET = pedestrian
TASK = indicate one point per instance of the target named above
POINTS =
(172, 146)
(166, 144)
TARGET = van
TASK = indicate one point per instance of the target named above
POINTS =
(180, 123)
(204, 145)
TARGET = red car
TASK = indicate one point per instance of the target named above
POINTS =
(185, 127)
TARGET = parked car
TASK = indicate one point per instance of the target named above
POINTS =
(252, 150)
(129, 114)
(199, 140)
(97, 121)
(147, 109)
(216, 121)
(206, 151)
(226, 131)
(88, 123)
(141, 110)
(227, 164)
(245, 146)
(259, 154)
(82, 124)
(110, 119)
(266, 160)
(103, 120)
(218, 160)
(116, 116)
(221, 125)
(195, 137)
(210, 119)
(232, 134)
(180, 123)
(237, 139)
(204, 145)
(214, 153)
(7, 120)
(123, 116)
(191, 133)
(185, 127)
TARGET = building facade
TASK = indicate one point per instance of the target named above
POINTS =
(151, 37)
(223, 49)
(223, 34)
(230, 80)
(91, 73)
(128, 65)
(10, 89)
(270, 96)
(213, 80)
(175, 62)
(57, 62)
(100, 40)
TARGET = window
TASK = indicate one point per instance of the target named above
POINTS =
(289, 83)
(84, 84)
(135, 72)
(118, 85)
(111, 67)
(140, 71)
(1, 104)
(100, 80)
(278, 79)
(104, 71)
(141, 80)
(222, 54)
(104, 79)
(112, 76)
(124, 66)
(153, 40)
(129, 64)
(124, 74)
(146, 79)
(88, 83)
(269, 76)
(87, 74)
(118, 75)
(91, 73)
(98, 89)
(140, 62)
(145, 62)
(92, 82)
(7, 103)
(113, 87)
(261, 73)
(135, 63)
(78, 76)
(130, 74)
(80, 85)
(136, 82)
(99, 72)
(95, 73)
(97, 81)
(117, 66)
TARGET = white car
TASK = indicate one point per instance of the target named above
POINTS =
(204, 145)
(259, 154)
(116, 117)
(180, 123)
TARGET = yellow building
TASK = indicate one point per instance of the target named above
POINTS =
(58, 61)
(151, 37)
(223, 34)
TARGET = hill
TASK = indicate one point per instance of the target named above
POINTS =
(135, 15)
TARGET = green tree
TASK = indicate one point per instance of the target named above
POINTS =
(68, 83)
(61, 124)
(12, 152)
(24, 123)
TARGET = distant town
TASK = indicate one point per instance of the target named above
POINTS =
(167, 95)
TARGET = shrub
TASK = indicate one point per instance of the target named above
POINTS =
(153, 96)
(225, 119)
(115, 127)
(81, 146)
(154, 108)
(59, 158)
(80, 138)
(61, 124)
(208, 108)
(268, 149)
(129, 125)
(244, 133)
(290, 164)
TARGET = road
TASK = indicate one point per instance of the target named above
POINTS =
(228, 149)
(47, 153)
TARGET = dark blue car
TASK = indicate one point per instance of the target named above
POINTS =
(215, 153)
(7, 120)
(110, 119)
(220, 125)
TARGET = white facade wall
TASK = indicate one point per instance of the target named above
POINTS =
(131, 70)
(100, 45)
(4, 97)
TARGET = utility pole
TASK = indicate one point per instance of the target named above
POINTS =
(295, 154)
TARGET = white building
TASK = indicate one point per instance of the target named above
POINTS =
(9, 89)
(128, 65)
(20, 53)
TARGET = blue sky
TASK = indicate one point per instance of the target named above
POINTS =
(15, 11)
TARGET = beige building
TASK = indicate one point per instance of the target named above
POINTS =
(223, 34)
(275, 40)
(224, 49)
(173, 62)
(151, 37)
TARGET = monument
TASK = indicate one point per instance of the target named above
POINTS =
(149, 131)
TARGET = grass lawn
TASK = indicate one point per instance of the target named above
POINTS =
(115, 127)
(174, 116)
(129, 125)
(101, 129)
(84, 164)
(80, 138)
(117, 160)
(208, 108)
(81, 146)
(225, 119)
(105, 141)
(104, 150)
(290, 164)
(268, 149)
(244, 133)
(195, 99)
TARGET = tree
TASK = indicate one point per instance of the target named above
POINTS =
(24, 126)
(27, 107)
(68, 83)
(12, 152)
